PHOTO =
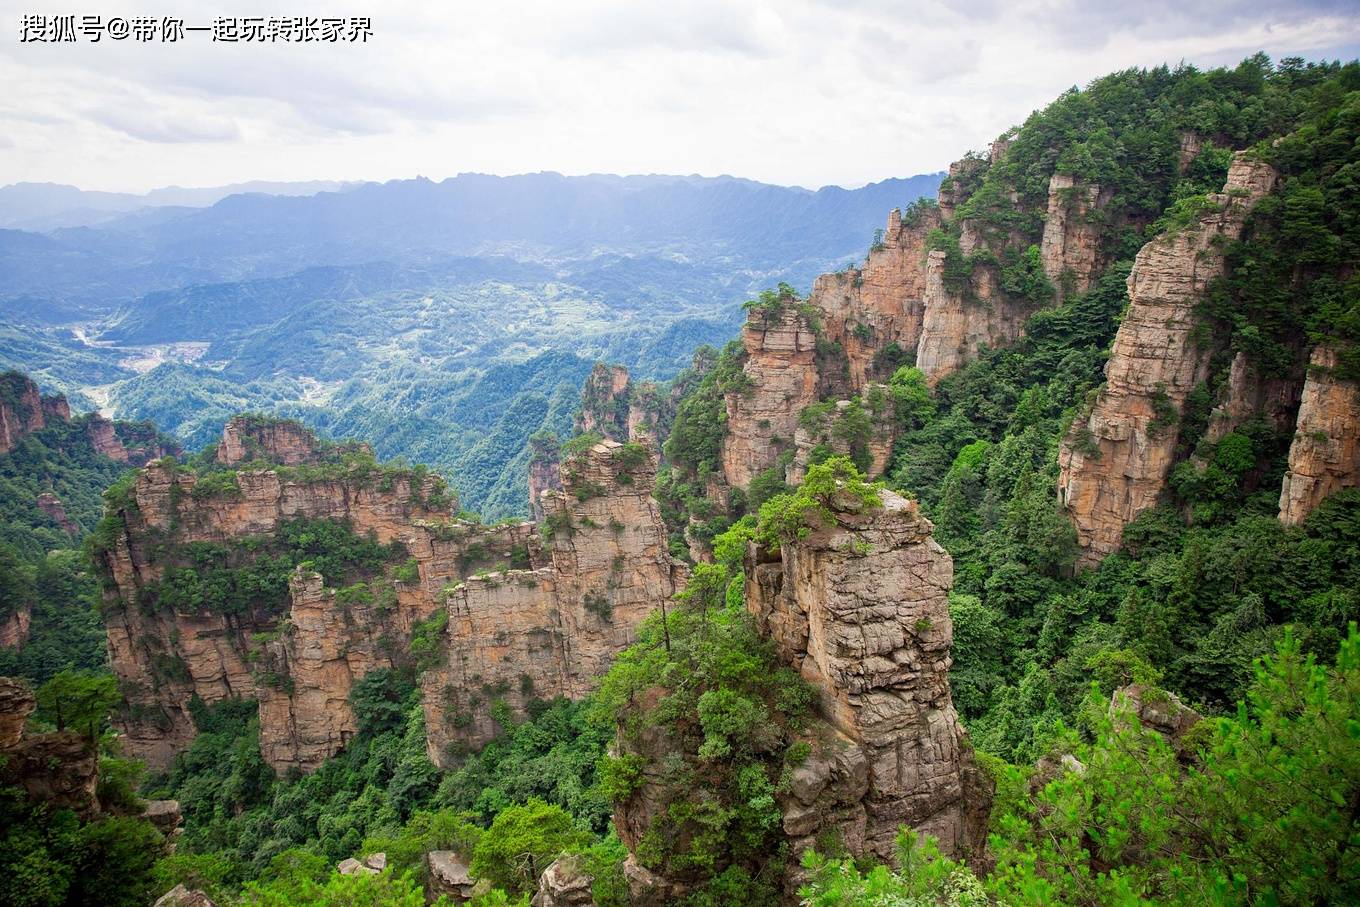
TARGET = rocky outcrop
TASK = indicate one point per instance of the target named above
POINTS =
(881, 302)
(24, 410)
(447, 875)
(60, 770)
(51, 505)
(861, 429)
(545, 472)
(16, 704)
(780, 380)
(179, 896)
(14, 627)
(1249, 394)
(1070, 249)
(604, 402)
(958, 322)
(281, 441)
(164, 658)
(565, 883)
(371, 865)
(1156, 710)
(860, 608)
(514, 635)
(1115, 460)
(104, 438)
(164, 814)
(518, 618)
(1325, 454)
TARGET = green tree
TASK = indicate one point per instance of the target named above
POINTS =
(522, 841)
(79, 700)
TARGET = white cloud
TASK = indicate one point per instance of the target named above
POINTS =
(807, 92)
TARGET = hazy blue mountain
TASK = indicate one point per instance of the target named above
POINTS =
(49, 206)
(444, 322)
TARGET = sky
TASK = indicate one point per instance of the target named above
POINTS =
(796, 92)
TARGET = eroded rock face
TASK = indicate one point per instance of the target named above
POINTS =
(1070, 250)
(51, 505)
(1114, 462)
(14, 628)
(1247, 394)
(829, 432)
(781, 379)
(860, 608)
(881, 302)
(553, 630)
(544, 472)
(525, 619)
(16, 704)
(447, 875)
(60, 769)
(281, 441)
(24, 410)
(1325, 454)
(565, 883)
(955, 327)
(604, 402)
(104, 439)
(162, 659)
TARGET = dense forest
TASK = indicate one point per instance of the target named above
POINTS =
(1210, 605)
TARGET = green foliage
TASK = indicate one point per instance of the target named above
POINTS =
(50, 858)
(923, 878)
(521, 842)
(788, 517)
(730, 712)
(381, 699)
(78, 700)
(250, 575)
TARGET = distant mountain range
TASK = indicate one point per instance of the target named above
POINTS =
(443, 321)
(51, 206)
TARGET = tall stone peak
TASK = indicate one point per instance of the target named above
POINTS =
(1115, 460)
(860, 608)
(1325, 454)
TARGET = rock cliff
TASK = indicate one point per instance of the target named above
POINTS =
(604, 402)
(1070, 248)
(865, 309)
(517, 617)
(280, 441)
(104, 439)
(545, 471)
(24, 410)
(1325, 454)
(518, 634)
(780, 380)
(1115, 460)
(60, 769)
(860, 608)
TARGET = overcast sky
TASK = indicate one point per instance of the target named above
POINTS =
(803, 92)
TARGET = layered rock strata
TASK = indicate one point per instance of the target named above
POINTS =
(1115, 460)
(1070, 248)
(24, 410)
(523, 618)
(59, 770)
(1325, 454)
(860, 608)
(516, 635)
(281, 441)
(781, 379)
